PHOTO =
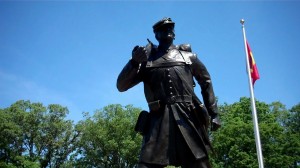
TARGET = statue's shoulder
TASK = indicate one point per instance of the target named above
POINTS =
(184, 47)
(186, 52)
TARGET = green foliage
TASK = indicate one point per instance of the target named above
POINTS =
(292, 140)
(33, 136)
(234, 143)
(109, 139)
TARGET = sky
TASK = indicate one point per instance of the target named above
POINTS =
(71, 52)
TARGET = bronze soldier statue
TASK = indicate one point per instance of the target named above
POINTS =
(175, 130)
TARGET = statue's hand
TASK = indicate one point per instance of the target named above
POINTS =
(139, 54)
(215, 123)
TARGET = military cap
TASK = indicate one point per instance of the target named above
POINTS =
(162, 22)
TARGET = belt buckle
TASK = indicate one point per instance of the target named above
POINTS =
(171, 100)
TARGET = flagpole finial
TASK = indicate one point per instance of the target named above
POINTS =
(242, 21)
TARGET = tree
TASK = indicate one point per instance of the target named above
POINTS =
(13, 136)
(35, 136)
(58, 137)
(292, 142)
(234, 143)
(109, 139)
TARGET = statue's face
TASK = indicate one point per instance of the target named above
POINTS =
(165, 33)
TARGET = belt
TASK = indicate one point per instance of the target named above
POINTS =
(177, 99)
(155, 105)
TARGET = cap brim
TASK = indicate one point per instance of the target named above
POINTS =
(157, 27)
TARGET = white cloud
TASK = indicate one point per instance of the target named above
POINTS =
(14, 88)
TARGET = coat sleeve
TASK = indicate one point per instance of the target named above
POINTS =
(129, 76)
(203, 78)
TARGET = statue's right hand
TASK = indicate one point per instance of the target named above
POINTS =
(139, 54)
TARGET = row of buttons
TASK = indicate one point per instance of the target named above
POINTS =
(170, 84)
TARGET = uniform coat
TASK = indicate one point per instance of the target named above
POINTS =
(175, 136)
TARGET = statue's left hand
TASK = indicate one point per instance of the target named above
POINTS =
(215, 123)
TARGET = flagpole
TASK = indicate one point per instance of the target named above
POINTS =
(253, 107)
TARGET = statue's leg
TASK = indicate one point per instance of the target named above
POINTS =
(146, 165)
(202, 163)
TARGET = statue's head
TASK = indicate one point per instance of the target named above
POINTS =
(162, 23)
(164, 29)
